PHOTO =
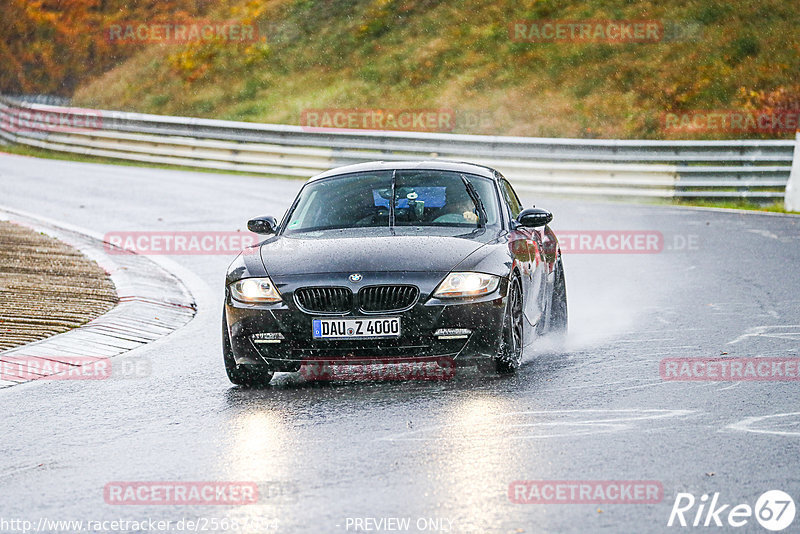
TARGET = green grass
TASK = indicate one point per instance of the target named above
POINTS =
(738, 204)
(432, 54)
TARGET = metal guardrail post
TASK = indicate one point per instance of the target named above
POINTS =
(792, 198)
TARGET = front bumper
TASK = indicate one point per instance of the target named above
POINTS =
(247, 323)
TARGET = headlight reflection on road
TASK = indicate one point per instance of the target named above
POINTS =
(474, 471)
(476, 417)
(258, 452)
(258, 445)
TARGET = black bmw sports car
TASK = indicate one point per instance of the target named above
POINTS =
(385, 261)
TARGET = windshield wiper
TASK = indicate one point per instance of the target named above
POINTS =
(476, 199)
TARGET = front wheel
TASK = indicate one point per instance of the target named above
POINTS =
(239, 374)
(559, 318)
(509, 355)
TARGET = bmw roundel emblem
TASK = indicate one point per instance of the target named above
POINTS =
(355, 277)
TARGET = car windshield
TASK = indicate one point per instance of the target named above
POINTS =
(395, 198)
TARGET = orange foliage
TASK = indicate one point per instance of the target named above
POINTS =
(49, 46)
(780, 99)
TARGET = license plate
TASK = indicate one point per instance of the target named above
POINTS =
(372, 327)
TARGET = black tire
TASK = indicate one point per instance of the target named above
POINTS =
(559, 316)
(509, 354)
(241, 375)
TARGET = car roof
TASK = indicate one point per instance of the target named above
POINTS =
(433, 165)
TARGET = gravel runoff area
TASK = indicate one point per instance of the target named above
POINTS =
(46, 287)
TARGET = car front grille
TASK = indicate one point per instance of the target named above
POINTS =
(324, 299)
(376, 299)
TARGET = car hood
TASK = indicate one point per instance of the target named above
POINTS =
(371, 250)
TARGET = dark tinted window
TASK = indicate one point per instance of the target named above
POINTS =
(421, 198)
(440, 198)
(511, 197)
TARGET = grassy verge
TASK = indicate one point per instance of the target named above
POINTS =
(737, 204)
(459, 55)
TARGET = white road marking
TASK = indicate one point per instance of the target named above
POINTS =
(746, 425)
(772, 331)
(764, 233)
(646, 340)
(640, 386)
(607, 421)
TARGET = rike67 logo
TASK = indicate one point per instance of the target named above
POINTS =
(774, 510)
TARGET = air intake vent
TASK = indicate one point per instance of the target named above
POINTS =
(387, 298)
(324, 299)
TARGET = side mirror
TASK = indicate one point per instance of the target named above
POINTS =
(263, 225)
(534, 217)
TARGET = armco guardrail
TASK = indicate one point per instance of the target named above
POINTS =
(746, 168)
(49, 100)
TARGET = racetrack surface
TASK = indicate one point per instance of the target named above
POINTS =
(326, 454)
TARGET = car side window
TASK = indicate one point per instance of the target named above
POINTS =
(511, 197)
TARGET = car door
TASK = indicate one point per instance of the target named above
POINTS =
(535, 272)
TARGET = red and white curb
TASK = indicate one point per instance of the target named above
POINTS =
(153, 302)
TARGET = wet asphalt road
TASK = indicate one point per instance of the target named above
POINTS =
(327, 455)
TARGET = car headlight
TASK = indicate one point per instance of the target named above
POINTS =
(466, 285)
(255, 290)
